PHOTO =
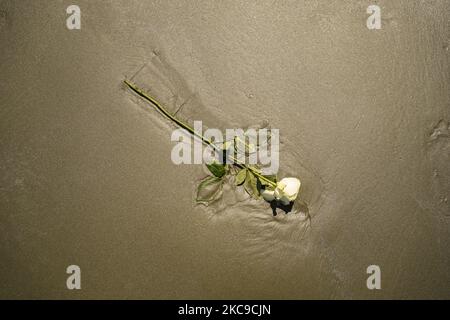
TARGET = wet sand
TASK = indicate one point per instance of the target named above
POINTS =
(86, 176)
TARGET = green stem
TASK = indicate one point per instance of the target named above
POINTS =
(185, 126)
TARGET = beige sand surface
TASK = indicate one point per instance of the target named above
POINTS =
(85, 170)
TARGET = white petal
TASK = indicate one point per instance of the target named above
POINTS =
(268, 195)
(285, 200)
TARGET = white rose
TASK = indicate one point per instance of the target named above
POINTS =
(287, 190)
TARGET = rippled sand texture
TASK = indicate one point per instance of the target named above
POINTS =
(85, 170)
